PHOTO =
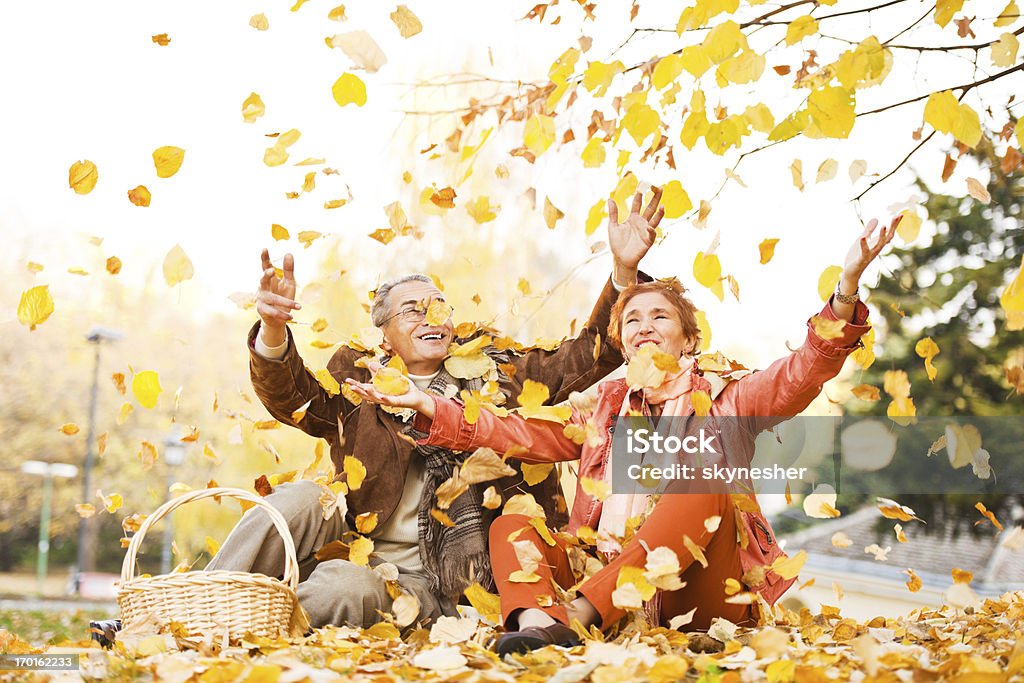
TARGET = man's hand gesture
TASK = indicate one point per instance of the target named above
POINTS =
(275, 299)
(631, 239)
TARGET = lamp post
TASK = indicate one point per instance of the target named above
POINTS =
(96, 337)
(47, 470)
(174, 455)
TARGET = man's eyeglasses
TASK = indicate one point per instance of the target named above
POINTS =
(438, 310)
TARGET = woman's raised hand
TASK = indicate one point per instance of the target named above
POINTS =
(862, 253)
(631, 239)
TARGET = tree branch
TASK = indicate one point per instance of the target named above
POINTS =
(965, 87)
(897, 167)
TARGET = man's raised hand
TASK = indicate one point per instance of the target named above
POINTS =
(275, 299)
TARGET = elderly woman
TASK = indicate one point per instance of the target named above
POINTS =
(742, 547)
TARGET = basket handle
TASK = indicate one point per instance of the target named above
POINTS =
(291, 564)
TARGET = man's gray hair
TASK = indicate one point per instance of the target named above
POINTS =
(380, 308)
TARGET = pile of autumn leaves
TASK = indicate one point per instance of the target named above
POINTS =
(984, 643)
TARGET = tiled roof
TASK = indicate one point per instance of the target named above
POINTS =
(932, 556)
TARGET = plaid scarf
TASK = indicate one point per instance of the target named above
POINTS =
(454, 556)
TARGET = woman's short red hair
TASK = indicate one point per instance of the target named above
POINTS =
(674, 292)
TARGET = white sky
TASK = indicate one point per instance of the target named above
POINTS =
(84, 81)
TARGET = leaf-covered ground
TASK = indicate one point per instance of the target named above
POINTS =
(969, 646)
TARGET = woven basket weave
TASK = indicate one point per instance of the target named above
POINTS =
(214, 602)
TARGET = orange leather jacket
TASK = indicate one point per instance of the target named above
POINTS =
(767, 397)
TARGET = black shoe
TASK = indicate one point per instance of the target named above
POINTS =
(103, 631)
(535, 637)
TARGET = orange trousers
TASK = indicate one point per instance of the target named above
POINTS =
(673, 517)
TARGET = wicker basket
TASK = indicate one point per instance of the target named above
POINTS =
(214, 602)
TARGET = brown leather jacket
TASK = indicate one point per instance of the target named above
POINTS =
(373, 436)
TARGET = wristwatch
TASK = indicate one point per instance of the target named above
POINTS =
(847, 298)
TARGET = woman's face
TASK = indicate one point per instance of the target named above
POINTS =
(649, 318)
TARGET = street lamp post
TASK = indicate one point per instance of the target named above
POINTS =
(96, 337)
(174, 455)
(47, 470)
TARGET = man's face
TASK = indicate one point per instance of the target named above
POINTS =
(407, 334)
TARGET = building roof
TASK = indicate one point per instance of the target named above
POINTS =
(932, 556)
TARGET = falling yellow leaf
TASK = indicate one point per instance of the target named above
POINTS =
(866, 392)
(890, 509)
(927, 349)
(443, 198)
(161, 39)
(253, 107)
(701, 402)
(307, 237)
(85, 510)
(593, 154)
(535, 474)
(35, 306)
(910, 225)
(552, 214)
(260, 23)
(408, 23)
(539, 133)
(146, 388)
(442, 517)
(359, 551)
(789, 567)
(987, 514)
(796, 170)
(841, 540)
(487, 604)
(168, 160)
(327, 381)
(707, 270)
(695, 550)
(139, 196)
(978, 191)
(391, 382)
(961, 576)
(531, 404)
(279, 232)
(828, 280)
(124, 412)
(68, 429)
(523, 504)
(177, 266)
(481, 210)
(491, 498)
(147, 455)
(277, 154)
(101, 444)
(827, 329)
(827, 171)
(349, 89)
(82, 176)
(34, 267)
(111, 503)
(767, 249)
(355, 472)
(337, 14)
(366, 522)
(113, 265)
(914, 583)
(598, 488)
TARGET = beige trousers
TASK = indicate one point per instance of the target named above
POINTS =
(332, 592)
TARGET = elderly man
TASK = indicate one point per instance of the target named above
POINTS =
(435, 562)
